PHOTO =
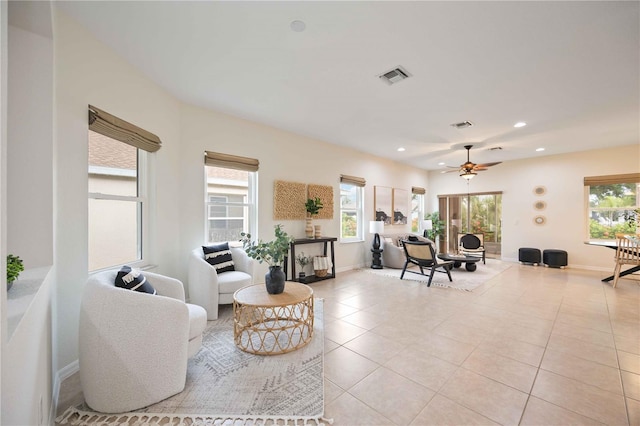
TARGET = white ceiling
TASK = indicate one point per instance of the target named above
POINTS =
(568, 69)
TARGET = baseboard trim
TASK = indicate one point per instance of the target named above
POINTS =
(61, 375)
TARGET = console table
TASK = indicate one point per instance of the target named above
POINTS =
(327, 242)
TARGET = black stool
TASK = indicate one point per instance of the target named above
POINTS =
(529, 255)
(554, 258)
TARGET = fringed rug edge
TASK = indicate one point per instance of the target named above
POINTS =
(76, 417)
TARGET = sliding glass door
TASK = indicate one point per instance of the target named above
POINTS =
(479, 213)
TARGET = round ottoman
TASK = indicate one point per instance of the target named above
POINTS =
(554, 258)
(529, 255)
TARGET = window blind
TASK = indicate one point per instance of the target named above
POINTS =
(418, 190)
(611, 179)
(115, 128)
(229, 161)
(353, 180)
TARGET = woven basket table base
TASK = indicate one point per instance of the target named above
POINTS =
(272, 324)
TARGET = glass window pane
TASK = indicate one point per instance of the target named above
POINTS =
(609, 208)
(348, 196)
(113, 166)
(349, 224)
(230, 205)
(351, 212)
(114, 237)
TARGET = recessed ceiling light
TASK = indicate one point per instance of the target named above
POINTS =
(520, 124)
(401, 149)
(539, 149)
(441, 164)
(298, 26)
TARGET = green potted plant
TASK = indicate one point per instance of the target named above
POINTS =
(273, 253)
(313, 207)
(14, 267)
(437, 226)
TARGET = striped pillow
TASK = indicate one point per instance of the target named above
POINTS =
(132, 279)
(219, 256)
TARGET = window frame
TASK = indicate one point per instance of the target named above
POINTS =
(359, 210)
(251, 204)
(142, 203)
(606, 181)
(420, 198)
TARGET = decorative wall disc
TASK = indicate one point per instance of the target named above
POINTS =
(539, 205)
(539, 220)
(539, 190)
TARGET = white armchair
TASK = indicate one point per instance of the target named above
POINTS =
(209, 289)
(133, 346)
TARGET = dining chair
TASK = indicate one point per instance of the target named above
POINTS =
(627, 253)
(472, 245)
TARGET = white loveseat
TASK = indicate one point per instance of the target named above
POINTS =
(134, 346)
(393, 254)
(209, 289)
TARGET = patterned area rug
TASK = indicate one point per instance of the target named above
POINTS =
(462, 279)
(226, 386)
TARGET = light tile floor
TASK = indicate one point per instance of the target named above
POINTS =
(533, 346)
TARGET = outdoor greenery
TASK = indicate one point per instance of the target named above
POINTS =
(313, 206)
(349, 225)
(486, 213)
(612, 209)
(437, 225)
(272, 252)
(14, 267)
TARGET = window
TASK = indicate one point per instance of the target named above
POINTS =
(117, 181)
(231, 197)
(230, 204)
(117, 202)
(417, 208)
(351, 209)
(472, 213)
(611, 200)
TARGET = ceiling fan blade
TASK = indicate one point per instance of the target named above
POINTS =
(488, 164)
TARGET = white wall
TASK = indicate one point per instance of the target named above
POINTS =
(27, 349)
(282, 156)
(29, 166)
(87, 72)
(562, 175)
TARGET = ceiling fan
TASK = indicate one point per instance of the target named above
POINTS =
(468, 170)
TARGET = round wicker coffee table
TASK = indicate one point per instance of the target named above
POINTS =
(272, 324)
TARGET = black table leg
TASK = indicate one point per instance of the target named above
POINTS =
(623, 273)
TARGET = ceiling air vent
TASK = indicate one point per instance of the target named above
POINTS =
(462, 125)
(395, 75)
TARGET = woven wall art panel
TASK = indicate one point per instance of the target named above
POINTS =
(289, 199)
(325, 193)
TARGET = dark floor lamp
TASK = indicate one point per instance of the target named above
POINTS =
(376, 227)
